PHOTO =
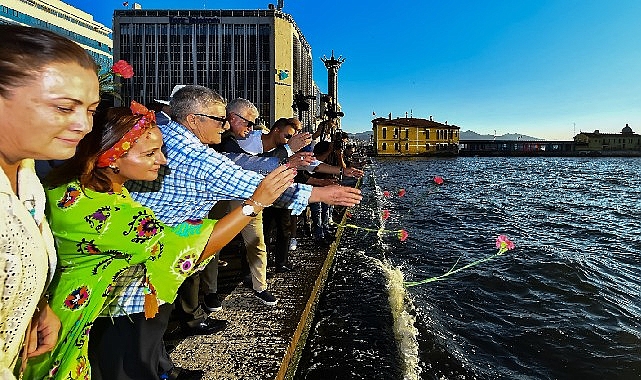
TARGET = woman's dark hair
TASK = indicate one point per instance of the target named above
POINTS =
(109, 126)
(24, 51)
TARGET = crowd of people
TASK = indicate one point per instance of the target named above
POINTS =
(130, 224)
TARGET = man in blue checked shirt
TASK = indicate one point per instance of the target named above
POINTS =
(196, 177)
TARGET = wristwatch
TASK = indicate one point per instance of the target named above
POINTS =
(248, 210)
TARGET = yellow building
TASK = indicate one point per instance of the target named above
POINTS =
(627, 140)
(414, 137)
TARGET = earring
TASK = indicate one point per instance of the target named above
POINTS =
(114, 169)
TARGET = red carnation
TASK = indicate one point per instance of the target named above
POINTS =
(438, 180)
(386, 194)
(385, 214)
(402, 235)
(401, 192)
(123, 68)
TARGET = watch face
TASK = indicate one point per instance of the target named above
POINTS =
(248, 210)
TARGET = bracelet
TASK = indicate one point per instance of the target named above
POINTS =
(258, 203)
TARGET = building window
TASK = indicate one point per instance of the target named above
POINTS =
(384, 134)
(407, 146)
(384, 146)
(407, 133)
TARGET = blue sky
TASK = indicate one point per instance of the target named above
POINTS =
(541, 68)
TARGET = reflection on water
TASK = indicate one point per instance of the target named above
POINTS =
(565, 304)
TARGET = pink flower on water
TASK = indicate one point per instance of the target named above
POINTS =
(504, 244)
(438, 180)
(123, 68)
(401, 192)
(386, 194)
(402, 235)
(349, 214)
(385, 214)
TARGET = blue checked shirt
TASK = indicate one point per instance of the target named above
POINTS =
(195, 178)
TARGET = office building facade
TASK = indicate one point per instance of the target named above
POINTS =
(65, 20)
(259, 55)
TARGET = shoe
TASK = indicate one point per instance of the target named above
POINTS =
(266, 297)
(211, 303)
(293, 244)
(284, 268)
(178, 373)
(205, 327)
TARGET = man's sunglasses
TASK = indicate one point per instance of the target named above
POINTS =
(249, 122)
(220, 119)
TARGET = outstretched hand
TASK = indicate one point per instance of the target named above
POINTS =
(273, 185)
(336, 195)
(299, 140)
(301, 159)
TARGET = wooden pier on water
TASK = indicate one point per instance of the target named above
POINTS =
(260, 342)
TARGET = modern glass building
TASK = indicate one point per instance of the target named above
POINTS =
(259, 55)
(63, 19)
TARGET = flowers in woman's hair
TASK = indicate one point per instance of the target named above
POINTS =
(147, 121)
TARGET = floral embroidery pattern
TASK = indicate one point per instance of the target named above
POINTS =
(77, 298)
(186, 264)
(69, 197)
(98, 218)
(144, 227)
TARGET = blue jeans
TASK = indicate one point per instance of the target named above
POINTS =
(320, 219)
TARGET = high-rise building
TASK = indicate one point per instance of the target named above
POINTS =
(259, 55)
(63, 19)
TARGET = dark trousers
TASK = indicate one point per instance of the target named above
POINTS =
(279, 218)
(130, 348)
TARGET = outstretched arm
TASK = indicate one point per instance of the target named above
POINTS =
(270, 188)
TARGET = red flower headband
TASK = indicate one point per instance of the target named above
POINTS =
(147, 121)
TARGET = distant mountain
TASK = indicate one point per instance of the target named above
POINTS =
(471, 135)
(364, 136)
(467, 135)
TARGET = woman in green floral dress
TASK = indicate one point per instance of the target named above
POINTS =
(102, 233)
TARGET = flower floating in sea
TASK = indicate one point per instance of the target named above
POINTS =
(401, 192)
(438, 180)
(386, 194)
(106, 80)
(503, 244)
(403, 235)
(385, 214)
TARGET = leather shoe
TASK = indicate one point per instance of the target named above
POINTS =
(178, 373)
(205, 327)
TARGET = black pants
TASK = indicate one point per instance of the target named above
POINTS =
(279, 218)
(130, 348)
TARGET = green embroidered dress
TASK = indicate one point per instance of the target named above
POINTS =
(98, 237)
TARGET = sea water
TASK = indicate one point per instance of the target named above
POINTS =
(564, 304)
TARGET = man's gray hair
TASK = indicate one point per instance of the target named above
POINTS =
(192, 99)
(239, 105)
